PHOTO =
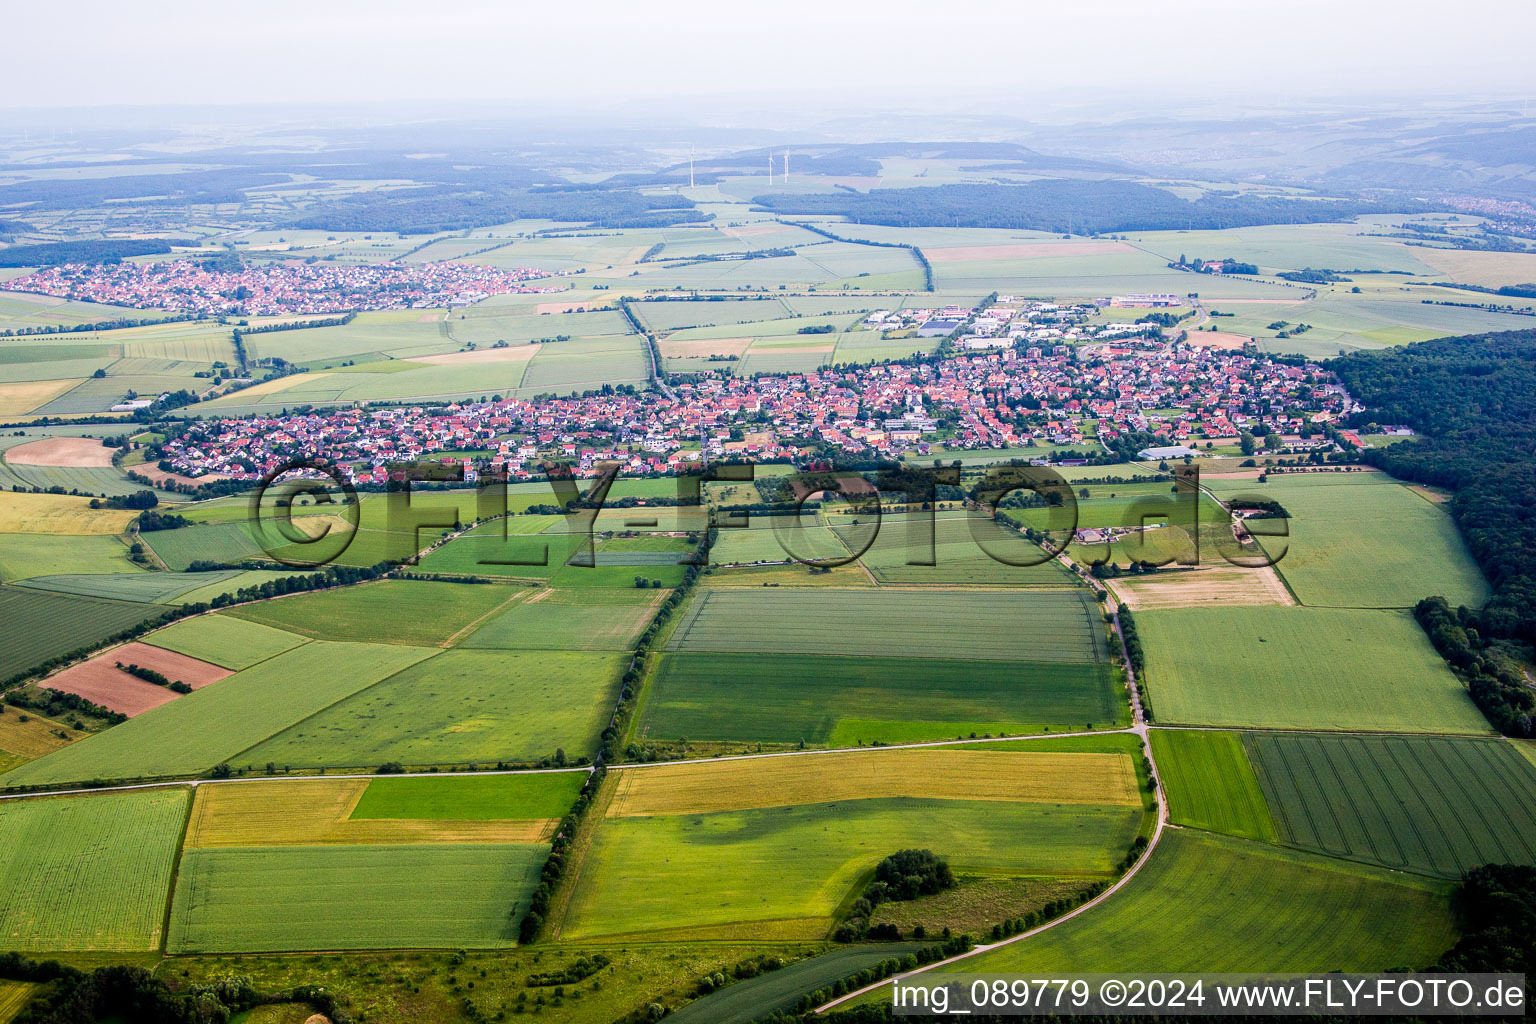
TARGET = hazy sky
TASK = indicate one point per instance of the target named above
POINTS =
(858, 52)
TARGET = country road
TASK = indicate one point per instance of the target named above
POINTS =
(1139, 727)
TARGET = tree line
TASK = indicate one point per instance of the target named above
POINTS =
(1473, 402)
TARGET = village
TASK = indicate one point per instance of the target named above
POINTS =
(1032, 391)
(279, 288)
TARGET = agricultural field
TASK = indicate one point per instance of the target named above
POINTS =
(416, 612)
(191, 735)
(29, 621)
(112, 900)
(1301, 668)
(962, 553)
(225, 542)
(1363, 540)
(585, 619)
(746, 1001)
(1214, 903)
(790, 698)
(101, 680)
(22, 741)
(224, 640)
(58, 514)
(708, 852)
(24, 555)
(460, 707)
(1434, 805)
(534, 795)
(279, 898)
(144, 587)
(1210, 783)
(324, 812)
(998, 625)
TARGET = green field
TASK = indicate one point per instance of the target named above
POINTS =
(24, 555)
(215, 724)
(1002, 625)
(1210, 783)
(30, 622)
(797, 863)
(959, 553)
(1214, 903)
(1301, 668)
(224, 640)
(88, 873)
(461, 707)
(416, 612)
(748, 1000)
(1363, 540)
(788, 698)
(234, 582)
(352, 897)
(223, 542)
(542, 556)
(1428, 804)
(477, 798)
(586, 619)
(149, 587)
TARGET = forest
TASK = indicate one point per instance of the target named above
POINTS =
(1474, 401)
(1075, 207)
(106, 250)
(431, 210)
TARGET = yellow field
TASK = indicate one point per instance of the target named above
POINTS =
(58, 513)
(308, 813)
(269, 387)
(22, 397)
(1489, 269)
(1006, 776)
(1202, 588)
(29, 739)
(13, 996)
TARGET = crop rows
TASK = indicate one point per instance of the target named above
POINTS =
(1421, 803)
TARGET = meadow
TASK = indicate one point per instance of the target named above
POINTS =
(417, 612)
(1002, 625)
(1210, 783)
(1363, 540)
(352, 897)
(1214, 903)
(224, 640)
(1429, 804)
(461, 707)
(215, 724)
(88, 873)
(1301, 668)
(789, 698)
